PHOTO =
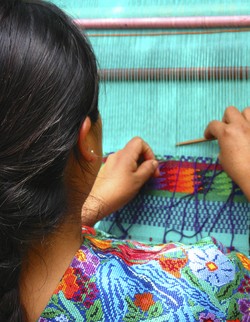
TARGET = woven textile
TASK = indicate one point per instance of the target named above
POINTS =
(193, 198)
(113, 280)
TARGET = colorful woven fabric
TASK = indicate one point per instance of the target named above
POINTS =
(114, 280)
(193, 198)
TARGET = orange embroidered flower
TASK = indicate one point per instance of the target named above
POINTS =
(244, 260)
(68, 284)
(144, 301)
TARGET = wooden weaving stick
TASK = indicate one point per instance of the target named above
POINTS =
(195, 141)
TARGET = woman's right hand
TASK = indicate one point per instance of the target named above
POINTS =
(233, 134)
(121, 177)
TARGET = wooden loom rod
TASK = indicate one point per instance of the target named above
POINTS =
(185, 74)
(168, 33)
(166, 22)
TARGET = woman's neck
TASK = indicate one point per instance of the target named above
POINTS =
(45, 265)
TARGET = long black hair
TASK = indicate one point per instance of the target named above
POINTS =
(48, 86)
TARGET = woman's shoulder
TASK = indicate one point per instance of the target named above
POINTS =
(124, 280)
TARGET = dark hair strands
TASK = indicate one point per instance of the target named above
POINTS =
(48, 85)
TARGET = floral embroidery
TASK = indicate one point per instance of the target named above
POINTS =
(144, 301)
(209, 317)
(143, 308)
(89, 264)
(68, 284)
(211, 266)
(244, 260)
(245, 285)
(244, 306)
(114, 280)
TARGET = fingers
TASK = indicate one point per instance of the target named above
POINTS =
(147, 169)
(137, 147)
(246, 113)
(145, 164)
(231, 114)
(214, 129)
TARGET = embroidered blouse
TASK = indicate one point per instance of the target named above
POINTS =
(113, 280)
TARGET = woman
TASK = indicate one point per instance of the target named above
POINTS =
(52, 269)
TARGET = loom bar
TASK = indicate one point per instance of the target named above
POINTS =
(174, 74)
(166, 23)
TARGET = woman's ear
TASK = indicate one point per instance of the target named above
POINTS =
(83, 145)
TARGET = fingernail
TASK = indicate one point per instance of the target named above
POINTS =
(155, 163)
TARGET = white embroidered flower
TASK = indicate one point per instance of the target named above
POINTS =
(211, 265)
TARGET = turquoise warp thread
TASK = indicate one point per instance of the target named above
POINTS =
(152, 8)
(164, 113)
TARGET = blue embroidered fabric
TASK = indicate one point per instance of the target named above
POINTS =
(123, 280)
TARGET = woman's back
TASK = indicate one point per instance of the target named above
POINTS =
(113, 280)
